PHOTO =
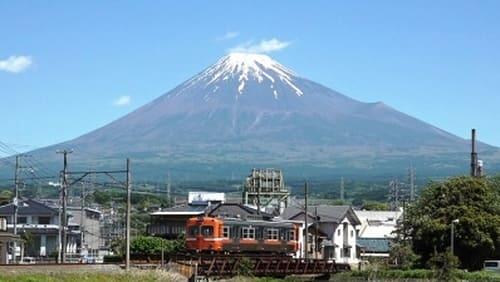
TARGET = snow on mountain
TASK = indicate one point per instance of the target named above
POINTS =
(245, 67)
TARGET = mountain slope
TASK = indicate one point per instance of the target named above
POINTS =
(248, 110)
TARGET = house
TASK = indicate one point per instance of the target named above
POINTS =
(38, 224)
(376, 232)
(170, 223)
(331, 231)
(89, 225)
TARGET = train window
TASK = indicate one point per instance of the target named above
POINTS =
(207, 231)
(193, 231)
(272, 234)
(248, 233)
(226, 232)
(291, 235)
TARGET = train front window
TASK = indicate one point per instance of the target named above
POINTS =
(272, 234)
(194, 231)
(248, 233)
(207, 231)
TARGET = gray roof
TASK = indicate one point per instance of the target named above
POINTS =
(237, 210)
(28, 207)
(188, 209)
(223, 209)
(374, 245)
(326, 213)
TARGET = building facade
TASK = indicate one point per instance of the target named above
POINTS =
(37, 223)
(331, 232)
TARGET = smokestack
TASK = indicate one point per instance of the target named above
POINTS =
(473, 155)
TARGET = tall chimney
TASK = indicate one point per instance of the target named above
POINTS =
(473, 155)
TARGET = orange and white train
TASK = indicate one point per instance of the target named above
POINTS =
(230, 235)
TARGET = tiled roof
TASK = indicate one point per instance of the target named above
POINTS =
(237, 210)
(179, 210)
(325, 213)
(28, 207)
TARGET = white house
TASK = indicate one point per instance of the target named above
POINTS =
(376, 232)
(332, 232)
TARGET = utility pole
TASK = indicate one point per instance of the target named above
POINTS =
(82, 218)
(258, 196)
(59, 237)
(16, 202)
(306, 237)
(129, 192)
(64, 189)
(316, 241)
(342, 196)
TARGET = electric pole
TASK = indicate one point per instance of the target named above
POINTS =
(16, 202)
(306, 237)
(129, 192)
(64, 196)
(82, 217)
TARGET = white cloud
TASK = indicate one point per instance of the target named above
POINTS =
(15, 64)
(228, 35)
(264, 46)
(122, 101)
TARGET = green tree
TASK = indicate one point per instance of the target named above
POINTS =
(148, 245)
(475, 202)
(5, 196)
(402, 255)
(444, 265)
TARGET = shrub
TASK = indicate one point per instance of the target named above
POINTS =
(113, 259)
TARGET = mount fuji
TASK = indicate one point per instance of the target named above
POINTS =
(248, 110)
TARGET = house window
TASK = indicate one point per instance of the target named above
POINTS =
(43, 220)
(22, 220)
(248, 233)
(347, 252)
(338, 232)
(226, 233)
(291, 235)
(272, 234)
(207, 231)
(352, 233)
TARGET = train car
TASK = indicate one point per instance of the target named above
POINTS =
(231, 235)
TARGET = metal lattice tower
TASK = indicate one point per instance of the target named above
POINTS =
(265, 189)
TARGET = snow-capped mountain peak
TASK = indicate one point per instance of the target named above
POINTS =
(246, 67)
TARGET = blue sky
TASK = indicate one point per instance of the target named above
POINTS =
(68, 67)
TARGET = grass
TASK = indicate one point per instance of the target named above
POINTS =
(414, 274)
(151, 275)
(135, 276)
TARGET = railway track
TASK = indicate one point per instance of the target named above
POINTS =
(220, 265)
